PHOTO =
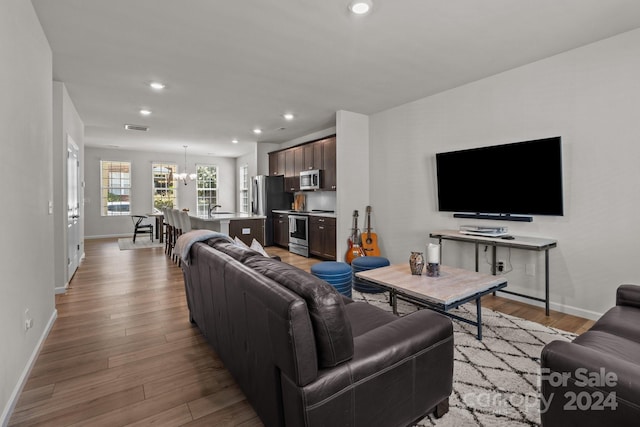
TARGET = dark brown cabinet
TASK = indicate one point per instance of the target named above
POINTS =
(291, 180)
(247, 230)
(273, 164)
(276, 163)
(322, 237)
(312, 156)
(281, 229)
(317, 149)
(329, 164)
(290, 162)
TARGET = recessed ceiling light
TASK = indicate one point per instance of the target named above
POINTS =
(288, 116)
(360, 7)
(157, 85)
(257, 131)
(235, 141)
(145, 112)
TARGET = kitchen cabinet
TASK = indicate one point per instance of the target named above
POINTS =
(290, 162)
(329, 181)
(276, 163)
(322, 237)
(281, 229)
(247, 230)
(317, 149)
(291, 178)
(273, 164)
(312, 155)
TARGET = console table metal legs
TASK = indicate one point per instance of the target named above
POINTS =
(545, 300)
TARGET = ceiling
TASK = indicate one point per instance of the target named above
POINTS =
(231, 66)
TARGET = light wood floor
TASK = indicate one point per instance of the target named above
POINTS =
(122, 351)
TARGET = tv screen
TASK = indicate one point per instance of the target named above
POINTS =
(522, 178)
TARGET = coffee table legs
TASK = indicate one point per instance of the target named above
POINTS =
(394, 302)
(479, 318)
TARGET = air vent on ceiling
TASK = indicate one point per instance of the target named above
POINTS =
(137, 127)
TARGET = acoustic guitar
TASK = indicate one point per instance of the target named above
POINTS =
(369, 239)
(355, 250)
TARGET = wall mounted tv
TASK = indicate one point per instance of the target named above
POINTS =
(508, 181)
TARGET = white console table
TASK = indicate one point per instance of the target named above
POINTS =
(518, 242)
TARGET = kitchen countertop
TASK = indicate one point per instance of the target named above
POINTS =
(227, 216)
(308, 213)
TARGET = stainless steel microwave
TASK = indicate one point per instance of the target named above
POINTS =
(310, 180)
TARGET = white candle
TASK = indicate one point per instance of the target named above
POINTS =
(433, 253)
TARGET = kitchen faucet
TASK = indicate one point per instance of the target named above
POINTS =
(213, 208)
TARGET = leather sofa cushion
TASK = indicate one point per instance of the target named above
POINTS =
(622, 321)
(610, 344)
(331, 326)
(366, 317)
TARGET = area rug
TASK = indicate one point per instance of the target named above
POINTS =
(496, 380)
(141, 243)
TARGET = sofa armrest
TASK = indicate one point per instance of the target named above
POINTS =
(384, 348)
(628, 295)
(400, 372)
(393, 342)
(573, 376)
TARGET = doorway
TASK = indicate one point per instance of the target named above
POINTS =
(73, 207)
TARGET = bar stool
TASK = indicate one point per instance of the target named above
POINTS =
(167, 229)
(171, 232)
(177, 231)
(185, 227)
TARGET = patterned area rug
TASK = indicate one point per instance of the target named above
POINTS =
(496, 380)
(141, 243)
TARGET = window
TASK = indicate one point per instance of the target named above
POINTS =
(164, 186)
(244, 189)
(115, 188)
(207, 187)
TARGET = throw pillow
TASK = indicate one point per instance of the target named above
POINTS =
(240, 243)
(256, 246)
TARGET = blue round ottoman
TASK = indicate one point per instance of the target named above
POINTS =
(337, 274)
(365, 263)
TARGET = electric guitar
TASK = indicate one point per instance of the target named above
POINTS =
(369, 239)
(355, 250)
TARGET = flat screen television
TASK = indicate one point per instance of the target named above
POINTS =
(522, 178)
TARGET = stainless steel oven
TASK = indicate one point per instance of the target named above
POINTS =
(299, 234)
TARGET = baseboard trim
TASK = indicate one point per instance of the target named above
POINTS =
(15, 395)
(567, 309)
(108, 236)
(61, 289)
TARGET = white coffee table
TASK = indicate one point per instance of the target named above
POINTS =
(451, 289)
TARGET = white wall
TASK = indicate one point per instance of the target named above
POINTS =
(141, 194)
(591, 97)
(353, 185)
(26, 264)
(263, 149)
(66, 122)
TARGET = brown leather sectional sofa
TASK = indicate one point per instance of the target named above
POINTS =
(304, 355)
(595, 380)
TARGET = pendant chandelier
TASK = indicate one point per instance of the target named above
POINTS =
(184, 176)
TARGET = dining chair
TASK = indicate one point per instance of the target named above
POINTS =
(140, 227)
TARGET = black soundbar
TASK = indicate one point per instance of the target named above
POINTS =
(499, 217)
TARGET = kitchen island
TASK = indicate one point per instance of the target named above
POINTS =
(245, 226)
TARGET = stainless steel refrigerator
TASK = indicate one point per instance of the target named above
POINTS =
(267, 194)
